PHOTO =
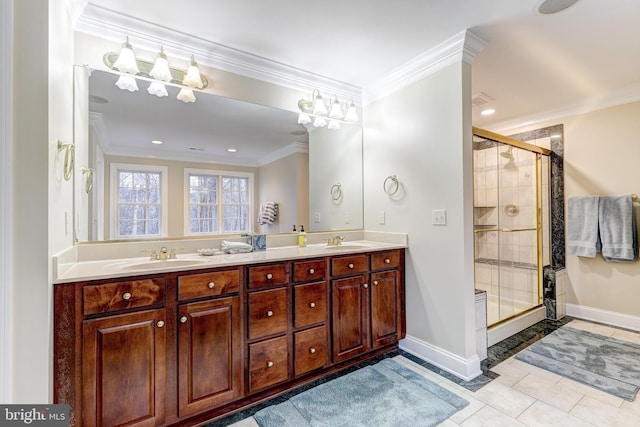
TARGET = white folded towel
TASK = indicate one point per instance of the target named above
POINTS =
(617, 228)
(582, 226)
(235, 247)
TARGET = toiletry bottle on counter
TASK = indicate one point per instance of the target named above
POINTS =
(302, 237)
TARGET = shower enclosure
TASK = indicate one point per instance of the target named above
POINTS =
(511, 227)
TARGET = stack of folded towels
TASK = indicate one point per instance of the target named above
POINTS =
(235, 247)
(268, 213)
(602, 223)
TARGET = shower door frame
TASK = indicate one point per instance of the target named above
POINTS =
(539, 152)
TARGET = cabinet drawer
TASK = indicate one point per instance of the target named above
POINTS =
(308, 271)
(268, 363)
(310, 304)
(384, 260)
(268, 275)
(208, 284)
(354, 264)
(122, 295)
(267, 312)
(310, 349)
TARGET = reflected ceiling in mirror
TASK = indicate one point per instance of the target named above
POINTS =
(199, 131)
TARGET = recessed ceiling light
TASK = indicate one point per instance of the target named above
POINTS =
(556, 135)
(157, 142)
(231, 150)
(548, 7)
(488, 112)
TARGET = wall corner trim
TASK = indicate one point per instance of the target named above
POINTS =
(466, 369)
(464, 46)
(607, 317)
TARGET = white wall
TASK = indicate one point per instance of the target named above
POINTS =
(422, 133)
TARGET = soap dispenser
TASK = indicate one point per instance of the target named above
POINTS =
(302, 237)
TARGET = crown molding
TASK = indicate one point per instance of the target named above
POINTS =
(110, 25)
(75, 8)
(622, 96)
(287, 150)
(464, 46)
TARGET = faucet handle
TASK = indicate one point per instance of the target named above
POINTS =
(153, 256)
(172, 254)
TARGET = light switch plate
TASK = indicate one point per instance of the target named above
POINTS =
(381, 217)
(439, 217)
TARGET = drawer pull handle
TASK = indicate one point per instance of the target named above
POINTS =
(375, 282)
(160, 323)
(350, 265)
(312, 304)
(269, 364)
(387, 261)
(311, 271)
(211, 285)
(126, 296)
(269, 313)
(269, 276)
(183, 319)
(365, 285)
(312, 350)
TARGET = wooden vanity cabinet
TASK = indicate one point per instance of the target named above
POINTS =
(387, 298)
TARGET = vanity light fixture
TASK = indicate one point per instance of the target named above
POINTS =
(316, 113)
(159, 73)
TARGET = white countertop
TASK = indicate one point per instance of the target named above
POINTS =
(114, 268)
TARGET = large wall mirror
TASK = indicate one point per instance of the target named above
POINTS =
(315, 177)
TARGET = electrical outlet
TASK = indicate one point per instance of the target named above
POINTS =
(381, 217)
(316, 217)
(347, 218)
(439, 217)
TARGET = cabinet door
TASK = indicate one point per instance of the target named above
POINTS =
(350, 314)
(385, 309)
(124, 370)
(209, 358)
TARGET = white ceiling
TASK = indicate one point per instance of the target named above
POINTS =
(534, 66)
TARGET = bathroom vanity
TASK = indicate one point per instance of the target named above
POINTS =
(201, 340)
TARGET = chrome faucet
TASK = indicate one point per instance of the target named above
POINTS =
(335, 241)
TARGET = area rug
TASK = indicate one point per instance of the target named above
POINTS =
(384, 394)
(605, 363)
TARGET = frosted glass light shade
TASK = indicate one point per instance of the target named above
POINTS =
(192, 78)
(336, 111)
(320, 122)
(319, 108)
(333, 125)
(352, 115)
(303, 119)
(127, 83)
(126, 62)
(157, 89)
(186, 95)
(160, 70)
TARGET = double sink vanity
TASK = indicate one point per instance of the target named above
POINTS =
(188, 340)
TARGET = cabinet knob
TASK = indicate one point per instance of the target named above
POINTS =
(160, 323)
(387, 261)
(311, 271)
(269, 364)
(375, 282)
(269, 276)
(126, 296)
(211, 285)
(312, 350)
(269, 313)
(350, 265)
(183, 319)
(312, 304)
(366, 285)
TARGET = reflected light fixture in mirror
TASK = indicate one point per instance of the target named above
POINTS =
(158, 73)
(330, 115)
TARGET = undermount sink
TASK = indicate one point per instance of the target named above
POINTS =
(346, 247)
(152, 265)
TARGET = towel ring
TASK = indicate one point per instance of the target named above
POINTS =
(88, 183)
(69, 155)
(336, 191)
(395, 185)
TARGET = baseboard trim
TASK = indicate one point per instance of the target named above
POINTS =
(466, 369)
(612, 318)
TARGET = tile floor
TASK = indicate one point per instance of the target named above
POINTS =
(524, 395)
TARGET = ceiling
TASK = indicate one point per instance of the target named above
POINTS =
(534, 66)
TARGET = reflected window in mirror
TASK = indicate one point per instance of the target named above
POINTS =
(218, 202)
(138, 201)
